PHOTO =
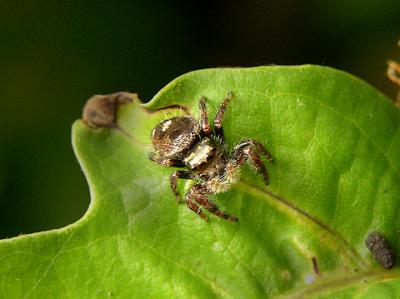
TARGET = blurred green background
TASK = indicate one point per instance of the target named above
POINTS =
(56, 54)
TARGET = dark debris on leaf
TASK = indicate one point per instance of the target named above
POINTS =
(381, 249)
(314, 262)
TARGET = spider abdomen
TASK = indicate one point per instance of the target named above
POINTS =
(174, 137)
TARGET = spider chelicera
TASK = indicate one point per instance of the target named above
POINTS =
(186, 142)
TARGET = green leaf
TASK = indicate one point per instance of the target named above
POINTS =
(335, 178)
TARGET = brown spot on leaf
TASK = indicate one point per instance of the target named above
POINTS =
(286, 275)
(100, 110)
(315, 265)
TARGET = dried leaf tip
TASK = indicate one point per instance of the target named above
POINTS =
(100, 110)
(393, 74)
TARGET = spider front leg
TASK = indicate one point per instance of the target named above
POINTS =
(220, 115)
(166, 162)
(199, 193)
(250, 150)
(173, 179)
(205, 126)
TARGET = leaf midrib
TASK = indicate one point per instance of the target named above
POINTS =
(334, 284)
(277, 200)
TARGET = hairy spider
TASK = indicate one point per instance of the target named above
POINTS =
(183, 141)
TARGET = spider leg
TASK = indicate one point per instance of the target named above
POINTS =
(250, 150)
(199, 194)
(220, 115)
(166, 162)
(261, 149)
(195, 208)
(173, 178)
(205, 126)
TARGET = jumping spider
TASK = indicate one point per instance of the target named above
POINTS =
(183, 141)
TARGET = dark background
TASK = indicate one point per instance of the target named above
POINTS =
(56, 54)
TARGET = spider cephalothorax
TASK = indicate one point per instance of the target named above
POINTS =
(185, 142)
